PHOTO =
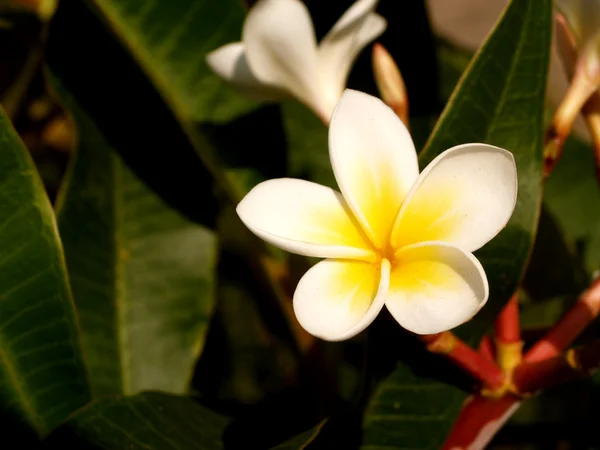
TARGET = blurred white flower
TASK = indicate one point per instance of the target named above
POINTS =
(392, 236)
(278, 56)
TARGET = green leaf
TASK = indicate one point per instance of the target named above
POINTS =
(307, 145)
(150, 420)
(301, 441)
(554, 269)
(170, 40)
(142, 273)
(42, 373)
(410, 411)
(500, 101)
(573, 197)
(247, 359)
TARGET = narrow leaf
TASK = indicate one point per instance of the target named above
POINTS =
(142, 274)
(146, 421)
(42, 374)
(170, 40)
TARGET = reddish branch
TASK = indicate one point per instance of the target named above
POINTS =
(507, 324)
(508, 336)
(479, 367)
(543, 366)
(486, 349)
(563, 334)
(571, 365)
(482, 417)
(479, 420)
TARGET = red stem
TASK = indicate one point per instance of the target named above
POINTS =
(507, 328)
(479, 420)
(574, 364)
(568, 327)
(480, 368)
(486, 348)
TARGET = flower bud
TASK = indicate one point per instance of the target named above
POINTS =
(389, 82)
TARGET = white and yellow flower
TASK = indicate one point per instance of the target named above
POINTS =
(392, 236)
(278, 56)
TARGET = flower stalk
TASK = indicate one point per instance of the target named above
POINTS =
(580, 90)
(486, 348)
(479, 421)
(480, 368)
(591, 114)
(571, 365)
(508, 341)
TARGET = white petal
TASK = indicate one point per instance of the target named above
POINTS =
(435, 287)
(281, 49)
(229, 62)
(304, 218)
(465, 196)
(336, 300)
(374, 161)
(357, 27)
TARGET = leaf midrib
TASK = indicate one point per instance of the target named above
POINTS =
(511, 73)
(457, 93)
(119, 278)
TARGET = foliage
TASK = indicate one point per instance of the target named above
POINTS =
(135, 309)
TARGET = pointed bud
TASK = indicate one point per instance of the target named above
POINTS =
(389, 82)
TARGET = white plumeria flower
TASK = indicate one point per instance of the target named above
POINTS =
(393, 236)
(279, 57)
(583, 17)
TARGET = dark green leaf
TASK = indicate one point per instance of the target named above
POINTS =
(170, 40)
(149, 420)
(409, 411)
(500, 101)
(155, 140)
(573, 197)
(42, 374)
(131, 115)
(142, 274)
(554, 269)
(307, 145)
